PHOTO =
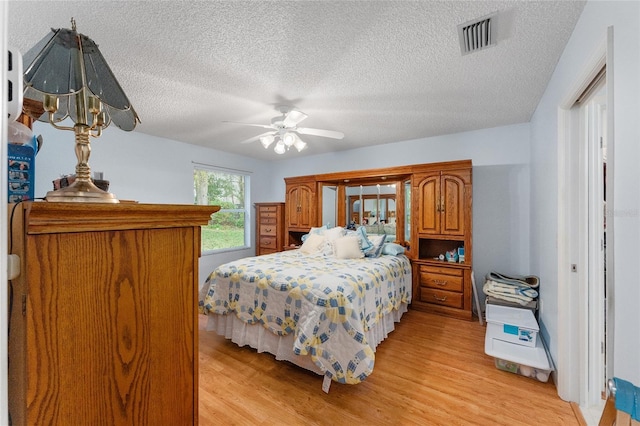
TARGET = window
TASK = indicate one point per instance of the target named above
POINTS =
(228, 228)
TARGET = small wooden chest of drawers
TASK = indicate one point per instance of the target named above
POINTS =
(444, 289)
(269, 227)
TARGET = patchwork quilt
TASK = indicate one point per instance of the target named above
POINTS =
(327, 303)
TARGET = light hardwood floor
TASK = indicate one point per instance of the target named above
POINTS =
(431, 370)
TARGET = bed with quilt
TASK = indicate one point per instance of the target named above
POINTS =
(325, 307)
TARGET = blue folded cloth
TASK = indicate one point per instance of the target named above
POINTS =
(627, 398)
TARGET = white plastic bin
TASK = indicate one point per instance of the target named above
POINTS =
(514, 358)
(513, 325)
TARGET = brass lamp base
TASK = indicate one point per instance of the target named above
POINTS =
(81, 191)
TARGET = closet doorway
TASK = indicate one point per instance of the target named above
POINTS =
(592, 108)
(585, 246)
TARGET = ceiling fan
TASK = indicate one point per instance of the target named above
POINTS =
(285, 131)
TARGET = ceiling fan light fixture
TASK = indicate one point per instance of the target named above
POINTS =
(280, 148)
(284, 131)
(289, 139)
(300, 144)
(266, 140)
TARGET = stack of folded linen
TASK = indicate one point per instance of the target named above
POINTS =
(515, 289)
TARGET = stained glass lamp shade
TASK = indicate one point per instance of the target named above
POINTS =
(69, 75)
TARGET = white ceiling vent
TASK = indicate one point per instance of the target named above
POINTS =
(477, 34)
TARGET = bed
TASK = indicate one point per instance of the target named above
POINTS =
(318, 310)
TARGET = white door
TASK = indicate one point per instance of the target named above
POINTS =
(584, 125)
(593, 109)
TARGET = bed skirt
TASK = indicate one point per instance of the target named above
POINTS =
(261, 339)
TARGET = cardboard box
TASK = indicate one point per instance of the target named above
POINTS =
(21, 172)
(513, 325)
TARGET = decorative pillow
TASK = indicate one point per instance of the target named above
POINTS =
(330, 235)
(361, 233)
(317, 231)
(392, 248)
(333, 233)
(347, 248)
(378, 243)
(312, 244)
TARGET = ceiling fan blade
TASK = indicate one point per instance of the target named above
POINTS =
(264, 126)
(293, 117)
(319, 132)
(255, 138)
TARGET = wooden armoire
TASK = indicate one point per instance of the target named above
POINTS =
(103, 316)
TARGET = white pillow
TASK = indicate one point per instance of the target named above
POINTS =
(330, 235)
(319, 231)
(347, 248)
(333, 233)
(312, 244)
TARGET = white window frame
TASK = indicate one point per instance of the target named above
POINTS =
(246, 210)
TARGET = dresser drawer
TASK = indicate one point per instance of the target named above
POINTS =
(441, 297)
(268, 243)
(268, 221)
(268, 209)
(441, 281)
(443, 270)
(268, 230)
(268, 217)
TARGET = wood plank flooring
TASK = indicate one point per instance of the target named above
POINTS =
(431, 370)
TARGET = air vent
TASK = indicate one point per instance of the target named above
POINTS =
(477, 34)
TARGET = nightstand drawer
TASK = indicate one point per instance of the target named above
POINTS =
(268, 242)
(268, 209)
(441, 297)
(441, 281)
(268, 230)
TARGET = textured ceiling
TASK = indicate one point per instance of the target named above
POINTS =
(378, 71)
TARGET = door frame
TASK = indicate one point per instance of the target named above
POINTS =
(4, 398)
(574, 351)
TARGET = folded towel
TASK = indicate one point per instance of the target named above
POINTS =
(529, 281)
(519, 294)
(511, 289)
(627, 398)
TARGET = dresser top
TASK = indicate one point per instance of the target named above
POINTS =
(41, 217)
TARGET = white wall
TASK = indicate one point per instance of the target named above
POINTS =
(590, 32)
(500, 158)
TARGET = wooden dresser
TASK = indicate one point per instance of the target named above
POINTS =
(103, 317)
(269, 228)
(442, 197)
